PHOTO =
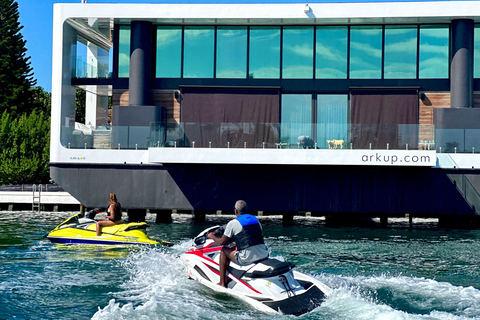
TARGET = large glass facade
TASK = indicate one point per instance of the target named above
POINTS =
(366, 52)
(400, 52)
(434, 49)
(198, 56)
(123, 51)
(296, 118)
(297, 53)
(332, 121)
(322, 52)
(331, 52)
(231, 52)
(264, 57)
(169, 52)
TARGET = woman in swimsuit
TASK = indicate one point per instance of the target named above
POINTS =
(114, 214)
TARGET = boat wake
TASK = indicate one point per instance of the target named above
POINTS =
(158, 288)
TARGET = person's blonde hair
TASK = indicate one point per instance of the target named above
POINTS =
(113, 199)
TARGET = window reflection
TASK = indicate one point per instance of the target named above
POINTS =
(231, 52)
(198, 52)
(169, 52)
(296, 117)
(433, 59)
(400, 52)
(123, 51)
(476, 52)
(332, 120)
(297, 53)
(264, 59)
(366, 52)
(331, 50)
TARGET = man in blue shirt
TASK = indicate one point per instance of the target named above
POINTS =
(246, 231)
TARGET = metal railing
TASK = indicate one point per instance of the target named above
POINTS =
(276, 135)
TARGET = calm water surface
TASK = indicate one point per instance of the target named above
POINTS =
(376, 273)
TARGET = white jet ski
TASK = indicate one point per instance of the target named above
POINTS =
(269, 285)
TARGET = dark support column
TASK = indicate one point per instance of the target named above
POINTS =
(461, 68)
(384, 221)
(288, 218)
(140, 62)
(199, 215)
(163, 216)
(136, 215)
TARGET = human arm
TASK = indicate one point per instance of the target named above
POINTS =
(227, 234)
(221, 241)
(110, 212)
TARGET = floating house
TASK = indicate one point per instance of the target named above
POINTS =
(336, 109)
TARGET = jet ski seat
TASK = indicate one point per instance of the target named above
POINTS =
(270, 268)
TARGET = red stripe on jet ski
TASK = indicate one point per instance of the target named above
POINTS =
(200, 253)
(230, 276)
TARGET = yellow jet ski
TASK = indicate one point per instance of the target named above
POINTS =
(81, 229)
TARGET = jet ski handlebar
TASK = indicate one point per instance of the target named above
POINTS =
(202, 237)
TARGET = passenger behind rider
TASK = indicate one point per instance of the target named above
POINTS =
(114, 214)
(246, 231)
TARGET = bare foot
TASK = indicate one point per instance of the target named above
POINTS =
(221, 285)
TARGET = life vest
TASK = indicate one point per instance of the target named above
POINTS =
(251, 233)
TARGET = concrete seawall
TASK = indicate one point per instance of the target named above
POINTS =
(23, 197)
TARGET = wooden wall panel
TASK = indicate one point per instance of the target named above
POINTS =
(427, 102)
(164, 98)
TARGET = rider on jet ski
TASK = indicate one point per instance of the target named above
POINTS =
(246, 231)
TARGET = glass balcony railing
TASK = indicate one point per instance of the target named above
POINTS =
(94, 69)
(274, 135)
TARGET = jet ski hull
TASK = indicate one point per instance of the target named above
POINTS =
(270, 286)
(79, 230)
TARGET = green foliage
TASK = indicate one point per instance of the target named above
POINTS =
(16, 75)
(24, 109)
(80, 101)
(42, 100)
(24, 148)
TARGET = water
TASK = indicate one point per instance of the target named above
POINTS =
(376, 273)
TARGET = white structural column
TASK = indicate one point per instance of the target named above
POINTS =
(96, 106)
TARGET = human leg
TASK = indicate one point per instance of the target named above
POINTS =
(103, 223)
(226, 254)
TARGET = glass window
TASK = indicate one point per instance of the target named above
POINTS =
(264, 56)
(297, 53)
(366, 52)
(81, 60)
(433, 62)
(332, 119)
(296, 117)
(231, 52)
(476, 52)
(400, 52)
(169, 52)
(123, 51)
(331, 51)
(198, 52)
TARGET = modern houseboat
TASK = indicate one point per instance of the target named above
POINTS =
(337, 109)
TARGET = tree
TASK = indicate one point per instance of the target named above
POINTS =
(80, 102)
(24, 148)
(42, 100)
(16, 74)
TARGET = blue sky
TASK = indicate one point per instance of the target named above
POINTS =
(36, 17)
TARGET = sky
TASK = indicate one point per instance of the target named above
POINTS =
(36, 17)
